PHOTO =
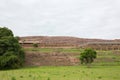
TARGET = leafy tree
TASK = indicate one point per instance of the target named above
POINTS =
(88, 56)
(5, 32)
(17, 37)
(11, 53)
(35, 45)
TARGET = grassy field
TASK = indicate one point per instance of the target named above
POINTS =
(63, 73)
(64, 50)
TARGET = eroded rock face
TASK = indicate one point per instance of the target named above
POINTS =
(50, 59)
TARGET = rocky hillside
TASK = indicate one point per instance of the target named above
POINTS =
(62, 40)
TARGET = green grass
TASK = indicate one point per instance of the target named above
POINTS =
(39, 49)
(64, 50)
(63, 73)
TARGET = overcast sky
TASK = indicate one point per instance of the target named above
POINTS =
(79, 18)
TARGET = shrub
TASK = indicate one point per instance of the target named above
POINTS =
(35, 45)
(48, 78)
(88, 56)
(13, 78)
(11, 54)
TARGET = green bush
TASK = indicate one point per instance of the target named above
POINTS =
(13, 78)
(88, 56)
(35, 45)
(11, 53)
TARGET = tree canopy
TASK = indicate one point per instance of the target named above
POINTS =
(11, 53)
(88, 56)
(5, 32)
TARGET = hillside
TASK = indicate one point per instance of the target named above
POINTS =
(64, 56)
(50, 41)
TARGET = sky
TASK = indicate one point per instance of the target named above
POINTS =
(77, 18)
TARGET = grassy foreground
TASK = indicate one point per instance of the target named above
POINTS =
(63, 73)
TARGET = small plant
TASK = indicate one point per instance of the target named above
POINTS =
(113, 57)
(48, 78)
(30, 75)
(64, 76)
(99, 77)
(21, 76)
(13, 78)
(91, 72)
(83, 71)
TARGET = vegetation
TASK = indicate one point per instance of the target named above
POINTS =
(88, 56)
(63, 73)
(104, 58)
(50, 50)
(100, 71)
(35, 45)
(17, 37)
(11, 53)
(12, 56)
(5, 32)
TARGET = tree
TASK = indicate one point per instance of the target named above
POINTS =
(11, 53)
(17, 37)
(5, 32)
(88, 56)
(35, 45)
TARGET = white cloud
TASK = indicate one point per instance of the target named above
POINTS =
(81, 18)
